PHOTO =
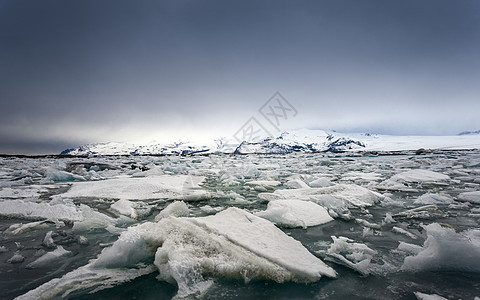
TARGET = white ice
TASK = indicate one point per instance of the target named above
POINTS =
(132, 209)
(54, 175)
(353, 194)
(408, 180)
(295, 213)
(296, 184)
(33, 210)
(354, 255)
(423, 296)
(446, 250)
(404, 232)
(420, 176)
(20, 228)
(171, 187)
(434, 199)
(230, 244)
(16, 258)
(320, 182)
(472, 197)
(49, 258)
(174, 209)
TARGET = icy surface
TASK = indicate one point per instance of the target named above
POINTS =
(353, 255)
(174, 209)
(394, 220)
(420, 176)
(353, 194)
(49, 258)
(180, 187)
(233, 243)
(295, 213)
(423, 296)
(434, 199)
(441, 251)
(473, 197)
(33, 210)
(264, 239)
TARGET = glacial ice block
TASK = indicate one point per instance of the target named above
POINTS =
(353, 194)
(472, 197)
(231, 244)
(172, 187)
(446, 250)
(34, 211)
(420, 176)
(266, 240)
(295, 213)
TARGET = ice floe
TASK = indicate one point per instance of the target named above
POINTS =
(230, 244)
(48, 258)
(320, 182)
(267, 184)
(420, 176)
(353, 194)
(296, 184)
(32, 210)
(356, 256)
(54, 175)
(472, 197)
(132, 209)
(20, 228)
(446, 250)
(434, 199)
(404, 232)
(295, 213)
(16, 258)
(423, 296)
(174, 209)
(170, 187)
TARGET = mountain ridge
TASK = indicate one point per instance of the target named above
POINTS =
(303, 140)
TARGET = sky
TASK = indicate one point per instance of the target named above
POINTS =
(77, 72)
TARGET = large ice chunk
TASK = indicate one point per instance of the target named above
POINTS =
(354, 255)
(265, 240)
(295, 213)
(60, 176)
(231, 244)
(31, 210)
(423, 296)
(420, 176)
(172, 187)
(472, 197)
(175, 209)
(446, 250)
(49, 258)
(408, 181)
(353, 194)
(434, 199)
(134, 210)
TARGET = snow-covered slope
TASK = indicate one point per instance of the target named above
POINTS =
(303, 140)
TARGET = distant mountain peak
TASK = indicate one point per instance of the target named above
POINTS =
(301, 140)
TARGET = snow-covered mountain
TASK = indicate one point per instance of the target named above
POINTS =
(303, 140)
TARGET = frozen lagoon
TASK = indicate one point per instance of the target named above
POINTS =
(305, 226)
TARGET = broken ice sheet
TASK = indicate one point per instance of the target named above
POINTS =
(230, 244)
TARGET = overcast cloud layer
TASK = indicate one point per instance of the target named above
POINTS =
(74, 72)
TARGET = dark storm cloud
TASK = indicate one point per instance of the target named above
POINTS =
(108, 70)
